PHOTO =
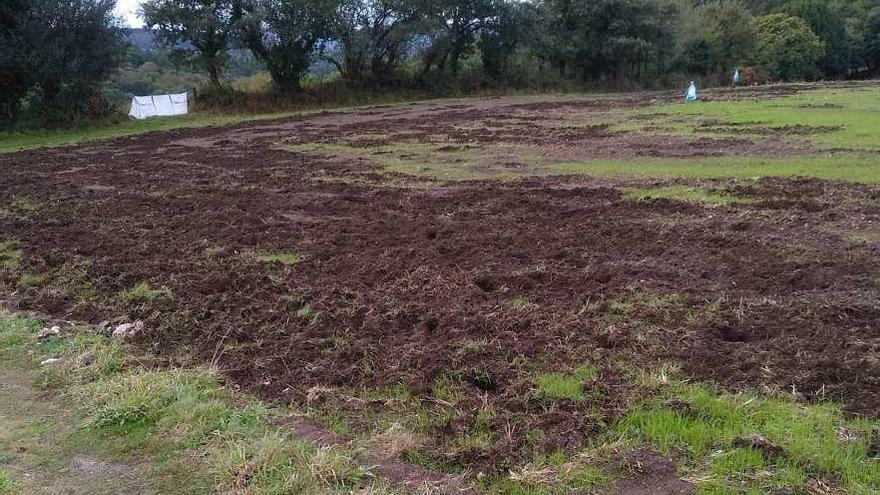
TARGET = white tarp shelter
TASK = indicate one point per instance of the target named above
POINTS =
(143, 107)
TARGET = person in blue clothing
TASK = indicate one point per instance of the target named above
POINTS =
(737, 77)
(692, 94)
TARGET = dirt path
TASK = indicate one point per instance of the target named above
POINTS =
(34, 446)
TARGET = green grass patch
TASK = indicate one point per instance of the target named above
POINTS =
(281, 257)
(565, 386)
(818, 441)
(849, 167)
(839, 118)
(10, 255)
(518, 302)
(8, 485)
(686, 194)
(15, 332)
(28, 280)
(144, 292)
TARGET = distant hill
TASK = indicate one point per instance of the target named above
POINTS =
(145, 39)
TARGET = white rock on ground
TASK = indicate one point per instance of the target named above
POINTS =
(50, 362)
(128, 330)
(48, 333)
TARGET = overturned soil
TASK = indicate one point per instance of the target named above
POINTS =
(480, 284)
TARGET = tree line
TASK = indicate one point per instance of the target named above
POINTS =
(55, 53)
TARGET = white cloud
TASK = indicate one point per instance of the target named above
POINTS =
(128, 11)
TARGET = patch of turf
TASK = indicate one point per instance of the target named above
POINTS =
(849, 167)
(10, 255)
(8, 485)
(687, 194)
(818, 441)
(565, 386)
(306, 313)
(15, 332)
(27, 280)
(282, 257)
(144, 292)
(518, 302)
(850, 118)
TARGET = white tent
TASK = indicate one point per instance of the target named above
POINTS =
(143, 107)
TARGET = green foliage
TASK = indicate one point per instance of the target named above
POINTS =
(149, 78)
(718, 37)
(284, 34)
(206, 25)
(787, 48)
(452, 27)
(610, 38)
(502, 35)
(53, 58)
(373, 36)
(871, 38)
(826, 19)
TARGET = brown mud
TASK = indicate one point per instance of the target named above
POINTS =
(480, 284)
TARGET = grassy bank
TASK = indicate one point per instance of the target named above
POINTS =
(30, 139)
(161, 430)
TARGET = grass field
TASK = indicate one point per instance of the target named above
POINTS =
(524, 295)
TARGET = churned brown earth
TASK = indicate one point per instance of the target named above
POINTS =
(458, 293)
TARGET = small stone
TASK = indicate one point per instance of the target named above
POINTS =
(50, 362)
(128, 330)
(48, 333)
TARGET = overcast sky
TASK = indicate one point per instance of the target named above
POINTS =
(127, 9)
